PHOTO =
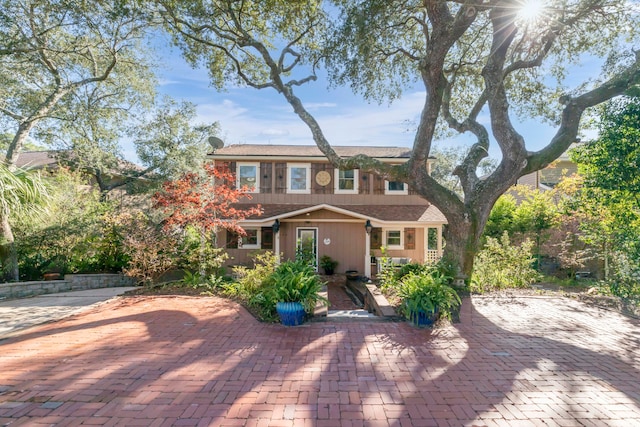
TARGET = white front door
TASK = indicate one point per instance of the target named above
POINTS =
(307, 245)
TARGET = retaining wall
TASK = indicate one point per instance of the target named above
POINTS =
(70, 282)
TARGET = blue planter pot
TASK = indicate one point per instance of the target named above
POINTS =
(422, 318)
(291, 313)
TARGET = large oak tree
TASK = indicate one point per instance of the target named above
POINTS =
(474, 58)
(49, 50)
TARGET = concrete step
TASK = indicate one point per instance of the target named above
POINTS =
(349, 315)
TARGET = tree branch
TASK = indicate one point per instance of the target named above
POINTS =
(572, 113)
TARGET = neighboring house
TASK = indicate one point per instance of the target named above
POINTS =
(547, 178)
(345, 214)
(51, 160)
(45, 159)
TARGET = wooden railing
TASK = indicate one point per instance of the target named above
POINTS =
(432, 256)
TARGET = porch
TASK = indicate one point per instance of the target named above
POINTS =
(352, 235)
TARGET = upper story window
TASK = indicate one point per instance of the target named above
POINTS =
(299, 178)
(346, 181)
(395, 187)
(248, 175)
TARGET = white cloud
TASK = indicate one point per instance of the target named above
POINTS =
(319, 105)
(268, 121)
(274, 132)
(167, 82)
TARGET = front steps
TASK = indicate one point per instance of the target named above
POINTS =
(376, 307)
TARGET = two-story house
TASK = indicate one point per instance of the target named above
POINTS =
(345, 214)
(547, 178)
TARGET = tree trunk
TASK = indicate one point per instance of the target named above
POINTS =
(463, 239)
(15, 147)
(605, 250)
(8, 251)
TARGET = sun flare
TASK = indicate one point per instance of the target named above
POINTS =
(531, 11)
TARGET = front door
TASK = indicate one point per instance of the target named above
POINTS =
(307, 246)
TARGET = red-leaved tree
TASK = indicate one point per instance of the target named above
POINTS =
(206, 202)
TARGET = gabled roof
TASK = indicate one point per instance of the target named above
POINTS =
(308, 151)
(53, 158)
(37, 159)
(376, 213)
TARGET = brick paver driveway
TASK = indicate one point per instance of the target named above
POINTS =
(205, 361)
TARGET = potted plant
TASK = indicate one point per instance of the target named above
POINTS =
(426, 297)
(328, 264)
(295, 287)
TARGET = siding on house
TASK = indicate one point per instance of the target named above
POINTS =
(337, 215)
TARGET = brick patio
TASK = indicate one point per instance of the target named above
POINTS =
(183, 361)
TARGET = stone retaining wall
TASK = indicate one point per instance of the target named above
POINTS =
(70, 282)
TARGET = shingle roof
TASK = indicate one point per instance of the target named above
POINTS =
(387, 213)
(51, 158)
(36, 159)
(310, 151)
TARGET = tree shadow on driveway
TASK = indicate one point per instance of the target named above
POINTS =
(206, 360)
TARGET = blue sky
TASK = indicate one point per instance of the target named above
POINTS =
(251, 116)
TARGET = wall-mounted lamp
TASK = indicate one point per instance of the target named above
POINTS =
(276, 226)
(368, 226)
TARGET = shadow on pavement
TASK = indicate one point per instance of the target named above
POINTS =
(206, 360)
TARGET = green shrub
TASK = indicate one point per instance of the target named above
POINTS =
(296, 281)
(251, 281)
(427, 291)
(193, 280)
(412, 268)
(625, 278)
(199, 253)
(501, 265)
(269, 283)
(76, 228)
(251, 285)
(152, 252)
(391, 275)
(387, 275)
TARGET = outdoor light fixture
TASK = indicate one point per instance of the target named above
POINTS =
(368, 226)
(276, 226)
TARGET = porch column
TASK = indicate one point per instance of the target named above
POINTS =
(367, 255)
(276, 245)
(439, 246)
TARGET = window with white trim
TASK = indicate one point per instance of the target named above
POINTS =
(346, 181)
(299, 178)
(395, 187)
(251, 240)
(393, 239)
(248, 175)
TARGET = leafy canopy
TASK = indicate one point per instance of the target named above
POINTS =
(612, 161)
(479, 63)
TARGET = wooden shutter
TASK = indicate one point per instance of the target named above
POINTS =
(231, 167)
(364, 186)
(266, 177)
(266, 239)
(378, 184)
(281, 178)
(376, 238)
(232, 240)
(409, 238)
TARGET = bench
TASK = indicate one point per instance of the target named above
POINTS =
(397, 262)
